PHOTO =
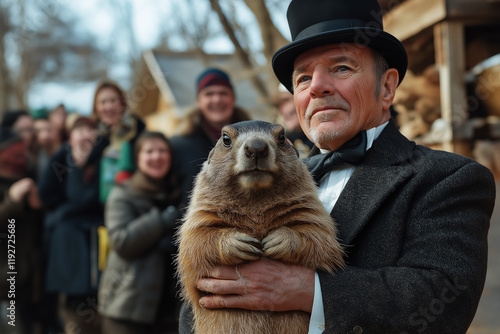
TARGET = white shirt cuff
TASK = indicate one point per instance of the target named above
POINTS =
(317, 322)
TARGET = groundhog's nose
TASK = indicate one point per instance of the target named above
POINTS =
(256, 148)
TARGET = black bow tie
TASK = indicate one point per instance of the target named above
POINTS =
(352, 152)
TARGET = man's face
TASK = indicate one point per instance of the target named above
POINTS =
(286, 107)
(334, 93)
(13, 161)
(45, 134)
(24, 126)
(217, 104)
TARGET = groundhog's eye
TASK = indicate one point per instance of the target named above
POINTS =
(226, 140)
(281, 138)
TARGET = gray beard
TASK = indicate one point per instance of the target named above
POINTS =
(327, 101)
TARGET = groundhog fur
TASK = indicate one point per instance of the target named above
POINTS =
(253, 198)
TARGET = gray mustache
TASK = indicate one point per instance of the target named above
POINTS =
(326, 102)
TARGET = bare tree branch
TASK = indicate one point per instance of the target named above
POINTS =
(124, 14)
(194, 31)
(23, 78)
(271, 36)
(243, 55)
(5, 26)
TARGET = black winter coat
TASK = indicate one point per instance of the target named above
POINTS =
(71, 197)
(189, 151)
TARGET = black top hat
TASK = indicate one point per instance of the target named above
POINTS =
(321, 22)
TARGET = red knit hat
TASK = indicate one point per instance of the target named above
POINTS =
(212, 76)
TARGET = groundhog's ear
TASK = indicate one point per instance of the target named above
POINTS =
(210, 155)
(294, 149)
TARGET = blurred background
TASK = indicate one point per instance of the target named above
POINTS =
(54, 52)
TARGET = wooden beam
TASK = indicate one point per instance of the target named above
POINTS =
(477, 11)
(413, 16)
(159, 77)
(449, 40)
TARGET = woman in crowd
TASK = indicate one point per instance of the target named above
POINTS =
(69, 190)
(57, 118)
(118, 131)
(137, 290)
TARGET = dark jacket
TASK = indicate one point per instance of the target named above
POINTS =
(22, 242)
(139, 272)
(192, 146)
(414, 223)
(71, 197)
(190, 152)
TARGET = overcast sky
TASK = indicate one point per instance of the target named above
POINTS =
(97, 20)
(150, 18)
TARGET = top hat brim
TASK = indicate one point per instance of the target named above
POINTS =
(384, 43)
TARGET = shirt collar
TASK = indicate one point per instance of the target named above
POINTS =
(371, 135)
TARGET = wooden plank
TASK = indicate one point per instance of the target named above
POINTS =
(413, 16)
(159, 78)
(449, 40)
(474, 11)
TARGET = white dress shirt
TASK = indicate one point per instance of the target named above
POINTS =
(330, 187)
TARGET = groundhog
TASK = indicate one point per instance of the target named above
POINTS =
(253, 198)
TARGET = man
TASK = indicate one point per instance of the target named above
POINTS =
(47, 142)
(286, 108)
(200, 130)
(413, 221)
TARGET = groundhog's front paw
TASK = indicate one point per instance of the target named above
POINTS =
(237, 247)
(281, 244)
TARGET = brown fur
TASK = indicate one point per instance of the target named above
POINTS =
(237, 215)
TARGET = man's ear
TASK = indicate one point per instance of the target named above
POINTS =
(388, 87)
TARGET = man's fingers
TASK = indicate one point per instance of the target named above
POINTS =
(230, 301)
(224, 272)
(235, 301)
(222, 287)
(213, 302)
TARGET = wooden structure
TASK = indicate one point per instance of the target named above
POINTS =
(447, 27)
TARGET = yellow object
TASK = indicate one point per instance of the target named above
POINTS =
(102, 233)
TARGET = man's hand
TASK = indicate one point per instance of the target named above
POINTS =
(263, 285)
(20, 189)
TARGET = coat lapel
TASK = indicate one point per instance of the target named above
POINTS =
(373, 181)
(364, 193)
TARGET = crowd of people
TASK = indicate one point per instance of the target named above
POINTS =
(95, 200)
